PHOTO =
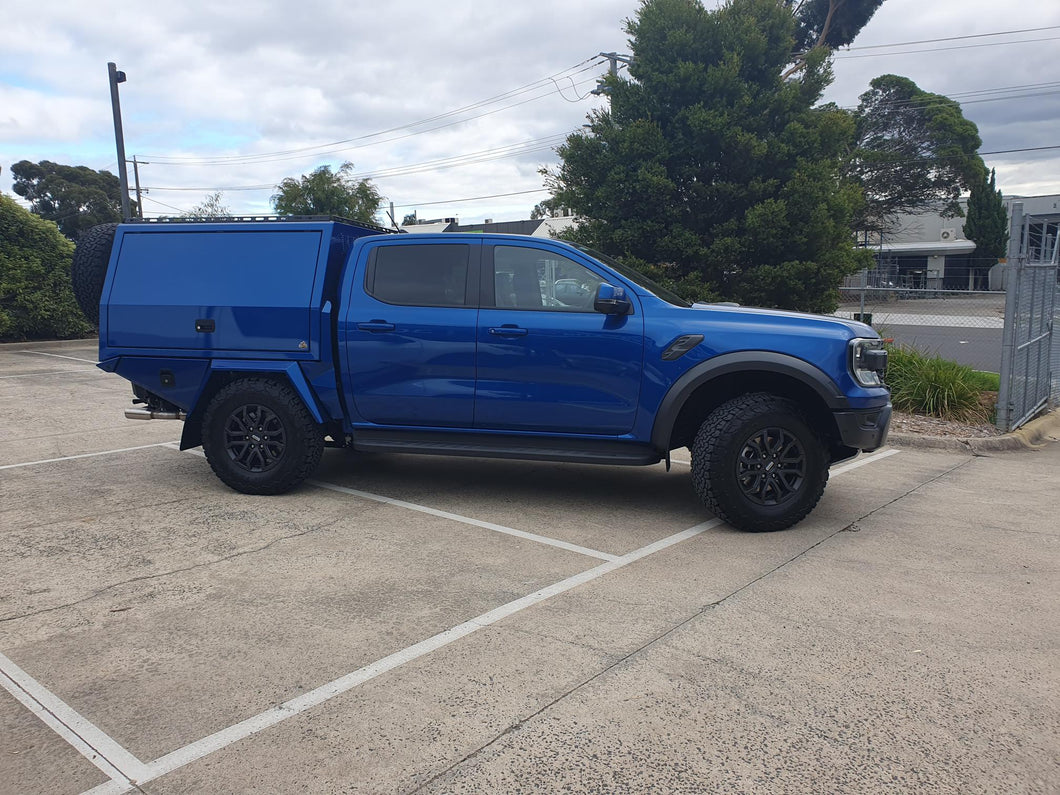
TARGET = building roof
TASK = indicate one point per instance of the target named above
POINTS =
(936, 248)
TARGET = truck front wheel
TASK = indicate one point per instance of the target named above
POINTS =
(757, 463)
(259, 437)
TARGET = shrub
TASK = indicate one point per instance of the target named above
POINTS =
(36, 300)
(931, 385)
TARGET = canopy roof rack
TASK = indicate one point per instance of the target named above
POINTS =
(246, 219)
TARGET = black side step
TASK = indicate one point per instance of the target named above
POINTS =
(527, 448)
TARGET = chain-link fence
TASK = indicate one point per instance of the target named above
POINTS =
(960, 325)
(1008, 331)
(1029, 349)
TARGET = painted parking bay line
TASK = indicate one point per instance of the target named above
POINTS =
(85, 455)
(552, 542)
(61, 717)
(55, 372)
(91, 742)
(221, 739)
(839, 470)
(58, 356)
(411, 506)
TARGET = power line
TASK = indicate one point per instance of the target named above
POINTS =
(291, 154)
(471, 198)
(1026, 149)
(945, 49)
(373, 143)
(959, 97)
(469, 158)
(952, 38)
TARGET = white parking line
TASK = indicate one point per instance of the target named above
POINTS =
(59, 356)
(497, 528)
(215, 742)
(55, 372)
(832, 472)
(860, 462)
(127, 771)
(552, 542)
(86, 455)
(98, 748)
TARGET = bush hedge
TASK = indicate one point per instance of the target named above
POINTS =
(36, 301)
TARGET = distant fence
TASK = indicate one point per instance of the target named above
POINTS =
(961, 325)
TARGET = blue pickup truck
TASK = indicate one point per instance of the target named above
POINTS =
(275, 338)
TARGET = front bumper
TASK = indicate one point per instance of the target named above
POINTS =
(864, 429)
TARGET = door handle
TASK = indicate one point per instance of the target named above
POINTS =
(508, 331)
(376, 325)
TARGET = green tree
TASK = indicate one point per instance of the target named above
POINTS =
(74, 197)
(327, 192)
(713, 170)
(210, 207)
(986, 223)
(915, 152)
(36, 300)
(827, 23)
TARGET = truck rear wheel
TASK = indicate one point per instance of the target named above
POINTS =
(757, 463)
(259, 437)
(89, 268)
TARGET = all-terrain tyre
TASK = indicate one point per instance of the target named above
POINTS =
(259, 437)
(758, 464)
(89, 269)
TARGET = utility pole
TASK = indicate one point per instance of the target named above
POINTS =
(119, 138)
(136, 179)
(615, 60)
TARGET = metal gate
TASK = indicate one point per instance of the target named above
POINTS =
(1028, 382)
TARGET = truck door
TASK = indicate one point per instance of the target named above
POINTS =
(409, 330)
(547, 361)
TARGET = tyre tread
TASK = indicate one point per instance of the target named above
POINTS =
(304, 435)
(89, 269)
(714, 433)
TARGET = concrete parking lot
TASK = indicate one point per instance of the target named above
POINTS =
(407, 624)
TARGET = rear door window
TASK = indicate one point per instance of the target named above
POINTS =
(420, 274)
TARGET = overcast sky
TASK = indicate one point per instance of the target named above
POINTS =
(236, 96)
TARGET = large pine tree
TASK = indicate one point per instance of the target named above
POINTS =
(986, 224)
(711, 167)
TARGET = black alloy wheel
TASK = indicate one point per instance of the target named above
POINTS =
(759, 463)
(255, 438)
(771, 467)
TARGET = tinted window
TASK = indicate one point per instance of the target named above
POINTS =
(528, 278)
(420, 275)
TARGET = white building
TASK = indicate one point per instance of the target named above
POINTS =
(933, 253)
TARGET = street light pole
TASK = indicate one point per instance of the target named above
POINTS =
(119, 138)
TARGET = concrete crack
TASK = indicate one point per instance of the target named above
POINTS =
(515, 727)
(160, 575)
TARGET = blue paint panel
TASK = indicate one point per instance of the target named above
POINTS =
(255, 287)
(289, 369)
(189, 376)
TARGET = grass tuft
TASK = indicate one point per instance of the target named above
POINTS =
(937, 387)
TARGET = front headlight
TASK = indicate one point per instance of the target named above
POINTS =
(868, 361)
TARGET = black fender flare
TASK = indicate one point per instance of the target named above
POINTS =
(740, 362)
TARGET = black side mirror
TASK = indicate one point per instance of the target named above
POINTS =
(611, 300)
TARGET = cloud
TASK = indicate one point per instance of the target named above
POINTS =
(215, 80)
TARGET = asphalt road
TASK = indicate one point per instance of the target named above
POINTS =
(979, 348)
